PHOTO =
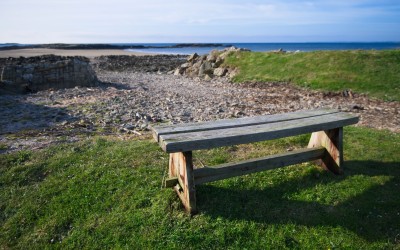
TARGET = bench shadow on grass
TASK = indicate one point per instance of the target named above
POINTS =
(371, 214)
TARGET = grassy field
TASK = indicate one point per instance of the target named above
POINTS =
(376, 73)
(105, 193)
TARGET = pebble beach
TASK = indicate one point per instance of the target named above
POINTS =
(135, 92)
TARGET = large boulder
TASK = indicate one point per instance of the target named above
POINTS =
(212, 57)
(220, 71)
(192, 57)
(205, 68)
(23, 75)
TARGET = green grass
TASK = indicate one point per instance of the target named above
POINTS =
(376, 73)
(105, 193)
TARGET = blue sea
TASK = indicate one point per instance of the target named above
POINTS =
(168, 48)
(305, 47)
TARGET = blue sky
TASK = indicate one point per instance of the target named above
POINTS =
(97, 21)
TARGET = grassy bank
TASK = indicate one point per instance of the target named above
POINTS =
(104, 193)
(376, 73)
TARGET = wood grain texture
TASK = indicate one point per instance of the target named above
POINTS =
(228, 170)
(239, 122)
(181, 166)
(239, 135)
(332, 141)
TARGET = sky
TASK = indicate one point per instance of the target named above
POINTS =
(182, 21)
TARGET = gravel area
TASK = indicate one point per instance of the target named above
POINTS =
(126, 103)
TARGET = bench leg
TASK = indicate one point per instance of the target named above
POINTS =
(181, 166)
(332, 141)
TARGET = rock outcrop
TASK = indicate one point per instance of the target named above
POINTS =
(24, 75)
(207, 66)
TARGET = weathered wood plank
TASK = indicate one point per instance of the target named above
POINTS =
(224, 171)
(332, 141)
(233, 136)
(239, 122)
(181, 167)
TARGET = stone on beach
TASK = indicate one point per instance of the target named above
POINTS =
(208, 66)
(220, 71)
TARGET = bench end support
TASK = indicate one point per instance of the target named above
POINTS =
(181, 167)
(332, 141)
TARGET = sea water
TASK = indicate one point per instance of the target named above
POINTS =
(270, 47)
(168, 48)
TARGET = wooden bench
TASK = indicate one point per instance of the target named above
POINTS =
(180, 140)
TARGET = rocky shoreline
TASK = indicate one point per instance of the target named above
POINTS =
(132, 95)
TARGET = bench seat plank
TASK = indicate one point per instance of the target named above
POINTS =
(182, 142)
(239, 122)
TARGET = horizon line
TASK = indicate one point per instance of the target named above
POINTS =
(198, 42)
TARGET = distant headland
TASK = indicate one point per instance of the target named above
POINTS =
(12, 46)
